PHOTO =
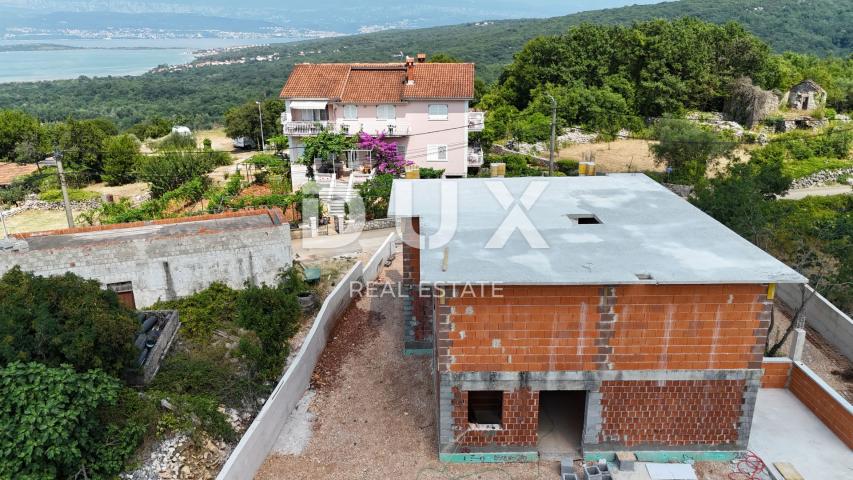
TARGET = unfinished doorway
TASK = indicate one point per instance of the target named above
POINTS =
(561, 417)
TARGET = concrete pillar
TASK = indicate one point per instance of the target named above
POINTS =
(313, 223)
(798, 343)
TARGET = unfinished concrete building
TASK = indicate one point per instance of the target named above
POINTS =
(583, 316)
(162, 259)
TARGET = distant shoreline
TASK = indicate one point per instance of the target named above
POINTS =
(53, 47)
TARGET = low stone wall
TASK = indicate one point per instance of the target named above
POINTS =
(383, 253)
(776, 372)
(380, 223)
(835, 326)
(830, 407)
(820, 178)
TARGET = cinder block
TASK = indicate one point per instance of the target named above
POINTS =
(626, 461)
(569, 476)
(591, 472)
(566, 467)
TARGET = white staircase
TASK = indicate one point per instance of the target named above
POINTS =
(336, 195)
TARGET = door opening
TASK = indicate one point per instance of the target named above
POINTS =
(561, 419)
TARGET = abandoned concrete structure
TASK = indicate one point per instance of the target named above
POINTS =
(582, 316)
(163, 259)
(806, 95)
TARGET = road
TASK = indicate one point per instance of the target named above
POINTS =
(818, 192)
(328, 246)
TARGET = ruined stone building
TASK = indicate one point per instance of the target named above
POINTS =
(162, 259)
(581, 316)
(749, 104)
(806, 95)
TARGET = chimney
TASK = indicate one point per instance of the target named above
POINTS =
(422, 58)
(410, 70)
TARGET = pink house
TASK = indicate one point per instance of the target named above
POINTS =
(422, 107)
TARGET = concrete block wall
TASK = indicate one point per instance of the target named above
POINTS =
(835, 326)
(520, 420)
(832, 409)
(164, 268)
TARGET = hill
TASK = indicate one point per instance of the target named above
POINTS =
(199, 96)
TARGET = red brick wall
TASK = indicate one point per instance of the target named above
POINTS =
(833, 414)
(775, 374)
(632, 327)
(520, 421)
(672, 413)
(412, 278)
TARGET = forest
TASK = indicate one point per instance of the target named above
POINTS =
(199, 97)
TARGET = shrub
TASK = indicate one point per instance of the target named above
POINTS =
(376, 193)
(431, 172)
(64, 320)
(49, 427)
(167, 171)
(273, 314)
(203, 370)
(568, 167)
(176, 141)
(74, 195)
(205, 311)
(688, 149)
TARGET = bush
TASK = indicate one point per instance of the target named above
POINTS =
(568, 167)
(431, 173)
(154, 127)
(516, 165)
(176, 141)
(49, 426)
(74, 195)
(203, 370)
(205, 311)
(376, 193)
(65, 320)
(273, 314)
(167, 171)
(688, 149)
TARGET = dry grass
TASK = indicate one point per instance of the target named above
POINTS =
(618, 156)
(38, 221)
(121, 191)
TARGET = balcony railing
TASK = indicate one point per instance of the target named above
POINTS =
(475, 158)
(476, 121)
(306, 128)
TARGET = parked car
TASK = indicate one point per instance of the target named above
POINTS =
(245, 143)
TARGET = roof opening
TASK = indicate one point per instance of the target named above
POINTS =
(644, 276)
(584, 219)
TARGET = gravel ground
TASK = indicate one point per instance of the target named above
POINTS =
(374, 410)
(835, 369)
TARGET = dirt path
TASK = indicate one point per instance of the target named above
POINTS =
(375, 409)
(819, 192)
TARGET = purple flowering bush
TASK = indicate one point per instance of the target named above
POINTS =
(388, 159)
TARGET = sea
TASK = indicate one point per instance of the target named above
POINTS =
(105, 57)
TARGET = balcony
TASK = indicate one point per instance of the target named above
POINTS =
(390, 129)
(476, 121)
(303, 128)
(475, 158)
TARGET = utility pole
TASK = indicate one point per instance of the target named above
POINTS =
(553, 133)
(261, 118)
(57, 155)
(3, 221)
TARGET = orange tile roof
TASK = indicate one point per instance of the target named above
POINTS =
(11, 171)
(380, 82)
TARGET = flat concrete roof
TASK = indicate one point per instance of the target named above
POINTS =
(84, 237)
(646, 235)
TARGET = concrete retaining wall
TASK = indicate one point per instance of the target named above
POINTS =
(830, 407)
(832, 324)
(259, 439)
(374, 265)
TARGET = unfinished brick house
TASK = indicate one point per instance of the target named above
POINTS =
(582, 316)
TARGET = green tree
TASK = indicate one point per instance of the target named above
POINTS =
(17, 127)
(687, 149)
(81, 144)
(64, 320)
(49, 423)
(376, 193)
(443, 58)
(169, 170)
(120, 156)
(273, 314)
(244, 120)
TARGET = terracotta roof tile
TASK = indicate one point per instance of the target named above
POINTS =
(11, 171)
(442, 80)
(380, 82)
